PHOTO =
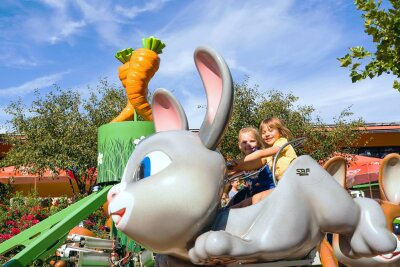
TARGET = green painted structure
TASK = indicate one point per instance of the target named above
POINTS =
(116, 141)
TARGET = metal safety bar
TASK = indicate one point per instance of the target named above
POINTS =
(295, 143)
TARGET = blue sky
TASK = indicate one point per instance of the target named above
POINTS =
(285, 45)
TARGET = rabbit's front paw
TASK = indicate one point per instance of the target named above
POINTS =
(213, 248)
(369, 238)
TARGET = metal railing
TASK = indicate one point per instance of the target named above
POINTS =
(295, 143)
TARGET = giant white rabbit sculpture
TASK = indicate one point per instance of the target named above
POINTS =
(173, 211)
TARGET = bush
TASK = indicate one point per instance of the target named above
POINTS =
(20, 213)
(5, 192)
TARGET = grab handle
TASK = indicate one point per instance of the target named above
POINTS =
(295, 143)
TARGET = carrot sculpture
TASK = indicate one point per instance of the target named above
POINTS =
(139, 66)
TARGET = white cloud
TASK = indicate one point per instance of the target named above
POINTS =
(331, 91)
(351, 95)
(17, 55)
(373, 100)
(250, 34)
(69, 28)
(66, 20)
(30, 86)
(59, 4)
(18, 60)
(133, 11)
(56, 26)
(94, 11)
(101, 17)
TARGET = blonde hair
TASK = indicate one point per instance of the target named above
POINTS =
(256, 134)
(276, 123)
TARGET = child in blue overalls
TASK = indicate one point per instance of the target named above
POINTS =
(249, 140)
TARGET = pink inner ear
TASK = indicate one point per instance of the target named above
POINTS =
(212, 81)
(166, 117)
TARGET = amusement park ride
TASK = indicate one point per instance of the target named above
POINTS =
(166, 196)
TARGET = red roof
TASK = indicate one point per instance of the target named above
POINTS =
(11, 174)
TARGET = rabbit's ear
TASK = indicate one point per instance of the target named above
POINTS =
(389, 178)
(336, 167)
(218, 84)
(168, 113)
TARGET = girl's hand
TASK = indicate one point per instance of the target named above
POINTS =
(231, 164)
(232, 172)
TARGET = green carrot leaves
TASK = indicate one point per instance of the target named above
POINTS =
(124, 55)
(153, 44)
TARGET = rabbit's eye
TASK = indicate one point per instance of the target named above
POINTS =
(396, 226)
(153, 163)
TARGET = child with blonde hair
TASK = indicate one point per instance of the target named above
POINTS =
(274, 135)
(249, 141)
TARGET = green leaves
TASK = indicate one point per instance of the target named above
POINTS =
(359, 52)
(345, 61)
(396, 85)
(153, 44)
(383, 25)
(124, 55)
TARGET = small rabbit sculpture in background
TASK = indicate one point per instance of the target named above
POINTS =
(389, 185)
(173, 209)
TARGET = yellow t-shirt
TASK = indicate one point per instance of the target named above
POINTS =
(286, 156)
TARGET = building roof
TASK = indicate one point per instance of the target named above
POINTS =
(383, 127)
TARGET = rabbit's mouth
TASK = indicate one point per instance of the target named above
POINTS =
(389, 257)
(117, 215)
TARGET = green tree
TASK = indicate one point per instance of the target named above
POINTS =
(246, 101)
(59, 131)
(250, 107)
(384, 27)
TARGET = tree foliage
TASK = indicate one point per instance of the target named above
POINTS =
(384, 27)
(59, 131)
(251, 107)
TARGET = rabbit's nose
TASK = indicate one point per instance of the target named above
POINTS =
(114, 191)
(111, 195)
